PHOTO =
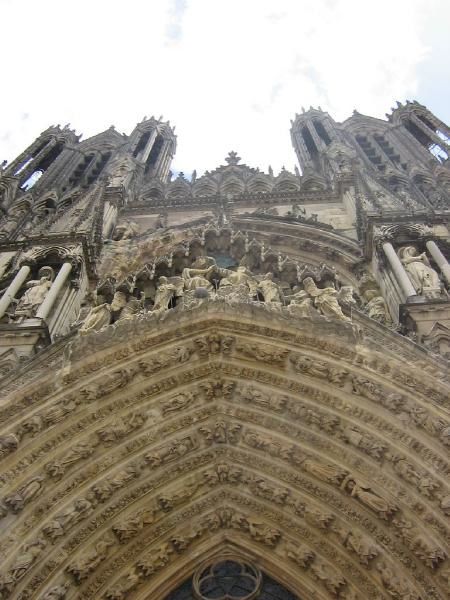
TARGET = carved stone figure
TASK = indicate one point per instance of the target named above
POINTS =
(319, 368)
(424, 278)
(425, 485)
(360, 544)
(35, 294)
(129, 527)
(155, 560)
(364, 441)
(64, 521)
(57, 592)
(300, 554)
(221, 433)
(8, 443)
(164, 293)
(269, 289)
(422, 544)
(325, 300)
(176, 403)
(169, 452)
(120, 427)
(29, 554)
(331, 578)
(196, 277)
(324, 471)
(104, 490)
(362, 491)
(122, 588)
(78, 452)
(100, 316)
(396, 585)
(301, 305)
(87, 562)
(24, 494)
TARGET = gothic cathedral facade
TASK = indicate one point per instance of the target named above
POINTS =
(232, 386)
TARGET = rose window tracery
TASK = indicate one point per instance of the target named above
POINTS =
(230, 580)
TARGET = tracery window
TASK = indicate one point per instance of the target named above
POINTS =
(230, 580)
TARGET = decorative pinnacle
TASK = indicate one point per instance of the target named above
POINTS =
(232, 158)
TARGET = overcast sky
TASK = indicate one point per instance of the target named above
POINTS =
(229, 74)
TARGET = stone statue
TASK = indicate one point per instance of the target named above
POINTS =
(36, 292)
(132, 308)
(301, 305)
(366, 496)
(25, 494)
(57, 592)
(24, 561)
(196, 277)
(424, 278)
(120, 173)
(89, 561)
(269, 289)
(324, 300)
(164, 293)
(242, 276)
(100, 316)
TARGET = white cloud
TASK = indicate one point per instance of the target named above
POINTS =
(230, 74)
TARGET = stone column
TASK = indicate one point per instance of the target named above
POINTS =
(47, 305)
(440, 259)
(399, 270)
(13, 288)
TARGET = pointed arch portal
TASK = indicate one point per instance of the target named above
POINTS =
(137, 458)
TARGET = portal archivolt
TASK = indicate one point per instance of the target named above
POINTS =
(226, 432)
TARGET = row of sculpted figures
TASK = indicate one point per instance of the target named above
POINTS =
(205, 280)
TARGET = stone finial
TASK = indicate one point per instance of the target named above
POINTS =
(232, 158)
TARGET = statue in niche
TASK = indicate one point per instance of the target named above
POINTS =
(325, 300)
(424, 278)
(37, 290)
(24, 561)
(269, 289)
(164, 294)
(100, 316)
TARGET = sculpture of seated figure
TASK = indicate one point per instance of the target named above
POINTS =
(269, 289)
(324, 300)
(195, 277)
(100, 316)
(36, 291)
(423, 277)
(236, 278)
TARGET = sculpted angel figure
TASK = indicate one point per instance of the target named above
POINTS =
(422, 275)
(324, 300)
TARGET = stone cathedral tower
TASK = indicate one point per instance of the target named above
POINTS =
(232, 386)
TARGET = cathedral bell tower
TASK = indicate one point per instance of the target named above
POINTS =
(153, 144)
